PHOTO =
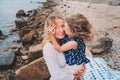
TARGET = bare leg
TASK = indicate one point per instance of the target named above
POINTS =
(79, 78)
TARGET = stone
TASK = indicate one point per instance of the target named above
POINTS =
(36, 70)
(24, 57)
(101, 45)
(31, 18)
(2, 37)
(114, 2)
(1, 34)
(12, 30)
(20, 23)
(7, 58)
(28, 38)
(24, 31)
(20, 13)
(35, 52)
(111, 64)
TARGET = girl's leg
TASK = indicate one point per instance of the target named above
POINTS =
(81, 78)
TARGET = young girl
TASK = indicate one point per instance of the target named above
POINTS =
(78, 30)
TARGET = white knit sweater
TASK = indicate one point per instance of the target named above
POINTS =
(56, 62)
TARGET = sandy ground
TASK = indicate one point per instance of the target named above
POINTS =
(105, 20)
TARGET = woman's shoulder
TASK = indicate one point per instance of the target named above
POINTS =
(47, 45)
(48, 49)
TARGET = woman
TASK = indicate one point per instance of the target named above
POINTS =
(95, 70)
(55, 60)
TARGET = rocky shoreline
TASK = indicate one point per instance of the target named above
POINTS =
(30, 27)
(27, 62)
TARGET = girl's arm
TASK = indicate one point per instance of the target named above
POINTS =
(65, 47)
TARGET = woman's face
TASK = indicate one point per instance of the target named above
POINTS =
(59, 33)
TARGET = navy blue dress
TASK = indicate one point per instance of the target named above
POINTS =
(75, 56)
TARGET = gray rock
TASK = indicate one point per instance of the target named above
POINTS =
(111, 64)
(7, 58)
(114, 2)
(101, 45)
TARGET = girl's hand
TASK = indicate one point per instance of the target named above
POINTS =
(51, 29)
(80, 72)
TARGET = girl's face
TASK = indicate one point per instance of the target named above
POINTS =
(59, 33)
(67, 30)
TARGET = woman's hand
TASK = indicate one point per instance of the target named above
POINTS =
(51, 29)
(80, 72)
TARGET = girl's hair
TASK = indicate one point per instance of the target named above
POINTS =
(81, 26)
(50, 20)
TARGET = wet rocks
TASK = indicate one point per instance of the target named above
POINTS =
(35, 51)
(20, 23)
(24, 30)
(31, 29)
(20, 13)
(28, 38)
(1, 35)
(28, 62)
(7, 58)
(36, 70)
(12, 30)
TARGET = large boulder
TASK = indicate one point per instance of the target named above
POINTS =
(28, 38)
(36, 70)
(35, 52)
(101, 45)
(7, 58)
(114, 2)
(20, 13)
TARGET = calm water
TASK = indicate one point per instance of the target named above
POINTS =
(8, 10)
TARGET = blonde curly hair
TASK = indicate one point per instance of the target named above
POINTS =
(80, 25)
(50, 20)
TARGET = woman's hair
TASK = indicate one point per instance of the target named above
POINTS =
(81, 26)
(50, 20)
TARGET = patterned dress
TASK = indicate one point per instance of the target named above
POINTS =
(75, 56)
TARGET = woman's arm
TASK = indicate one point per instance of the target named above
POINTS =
(56, 71)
